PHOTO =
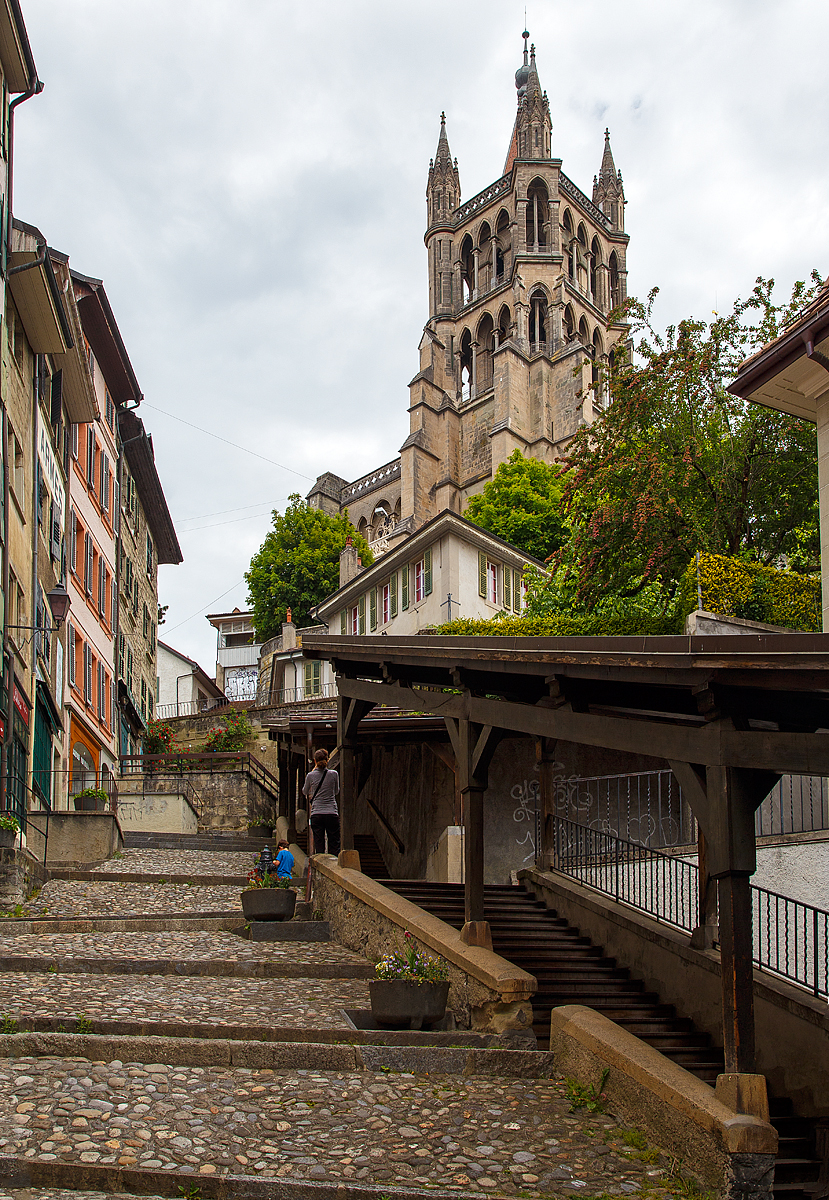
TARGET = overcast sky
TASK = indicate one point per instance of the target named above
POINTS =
(248, 178)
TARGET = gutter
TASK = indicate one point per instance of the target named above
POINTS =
(788, 349)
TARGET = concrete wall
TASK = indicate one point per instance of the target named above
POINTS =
(157, 812)
(791, 1026)
(80, 837)
(799, 869)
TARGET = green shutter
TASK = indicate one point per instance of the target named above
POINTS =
(404, 588)
(361, 615)
(307, 691)
(507, 588)
(317, 676)
(481, 574)
(516, 591)
(343, 622)
(393, 595)
(372, 606)
(427, 573)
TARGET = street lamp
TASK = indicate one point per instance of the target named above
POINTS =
(59, 601)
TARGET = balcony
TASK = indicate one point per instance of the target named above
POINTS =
(239, 656)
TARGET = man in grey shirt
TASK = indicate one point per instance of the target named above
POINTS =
(322, 787)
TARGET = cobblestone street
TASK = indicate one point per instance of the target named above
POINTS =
(463, 1134)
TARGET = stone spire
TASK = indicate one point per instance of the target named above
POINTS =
(443, 190)
(533, 128)
(608, 192)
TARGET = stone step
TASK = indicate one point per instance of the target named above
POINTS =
(228, 920)
(83, 876)
(206, 968)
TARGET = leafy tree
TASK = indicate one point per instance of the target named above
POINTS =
(677, 464)
(522, 505)
(298, 565)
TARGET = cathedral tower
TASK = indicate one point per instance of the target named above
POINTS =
(523, 279)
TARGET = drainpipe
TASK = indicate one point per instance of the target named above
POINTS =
(34, 89)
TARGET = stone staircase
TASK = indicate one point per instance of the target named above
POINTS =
(570, 969)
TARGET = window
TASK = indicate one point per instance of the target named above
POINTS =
(372, 609)
(149, 556)
(404, 588)
(74, 441)
(361, 615)
(89, 554)
(73, 540)
(90, 456)
(386, 607)
(72, 653)
(146, 623)
(423, 577)
(313, 678)
(488, 578)
(393, 594)
(128, 578)
(87, 673)
(492, 582)
(102, 588)
(106, 477)
(343, 622)
(355, 617)
(16, 458)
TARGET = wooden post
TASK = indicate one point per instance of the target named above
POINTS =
(474, 746)
(705, 934)
(283, 781)
(545, 757)
(349, 715)
(737, 972)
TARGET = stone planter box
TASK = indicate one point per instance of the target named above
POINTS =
(404, 1004)
(269, 904)
(8, 838)
(89, 804)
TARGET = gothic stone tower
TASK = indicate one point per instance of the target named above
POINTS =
(522, 281)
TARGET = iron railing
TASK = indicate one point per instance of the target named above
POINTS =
(649, 809)
(179, 762)
(791, 939)
(189, 708)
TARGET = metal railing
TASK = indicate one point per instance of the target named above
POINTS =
(179, 762)
(150, 783)
(189, 708)
(299, 695)
(649, 809)
(791, 939)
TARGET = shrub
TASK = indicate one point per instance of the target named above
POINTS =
(159, 738)
(233, 735)
(732, 587)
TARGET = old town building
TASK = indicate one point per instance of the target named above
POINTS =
(524, 282)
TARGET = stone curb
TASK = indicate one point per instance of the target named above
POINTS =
(147, 877)
(19, 1172)
(264, 1033)
(225, 968)
(170, 923)
(317, 1056)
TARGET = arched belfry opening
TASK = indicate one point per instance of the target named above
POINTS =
(567, 243)
(485, 337)
(539, 336)
(485, 254)
(503, 246)
(504, 330)
(468, 257)
(465, 360)
(537, 212)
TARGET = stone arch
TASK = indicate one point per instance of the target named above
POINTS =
(568, 321)
(584, 333)
(537, 212)
(539, 318)
(597, 353)
(485, 337)
(467, 268)
(485, 265)
(615, 281)
(567, 237)
(503, 247)
(382, 519)
(504, 324)
(595, 263)
(465, 365)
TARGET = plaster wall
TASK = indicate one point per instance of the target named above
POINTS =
(177, 680)
(795, 868)
(81, 837)
(157, 812)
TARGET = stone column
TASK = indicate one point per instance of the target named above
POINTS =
(494, 258)
(535, 222)
(475, 253)
(473, 383)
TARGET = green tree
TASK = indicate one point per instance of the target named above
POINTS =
(677, 464)
(522, 505)
(298, 565)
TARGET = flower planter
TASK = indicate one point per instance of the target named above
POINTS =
(8, 837)
(405, 1004)
(269, 904)
(89, 804)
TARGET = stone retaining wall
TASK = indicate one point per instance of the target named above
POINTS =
(486, 992)
(20, 874)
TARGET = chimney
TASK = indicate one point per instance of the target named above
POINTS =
(288, 632)
(349, 562)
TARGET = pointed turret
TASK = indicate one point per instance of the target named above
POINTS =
(608, 192)
(443, 191)
(533, 129)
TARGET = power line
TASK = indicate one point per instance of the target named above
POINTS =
(226, 441)
(216, 524)
(209, 604)
(222, 511)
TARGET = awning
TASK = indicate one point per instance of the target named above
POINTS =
(37, 300)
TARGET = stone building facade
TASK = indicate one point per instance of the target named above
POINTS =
(524, 282)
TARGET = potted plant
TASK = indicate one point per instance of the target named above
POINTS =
(9, 829)
(91, 799)
(267, 898)
(411, 989)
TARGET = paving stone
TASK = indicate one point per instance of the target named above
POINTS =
(308, 1124)
(82, 898)
(181, 862)
(298, 1003)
